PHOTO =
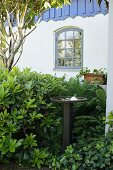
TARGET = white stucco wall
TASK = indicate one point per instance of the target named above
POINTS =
(109, 101)
(39, 48)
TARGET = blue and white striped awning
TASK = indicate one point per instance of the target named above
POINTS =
(83, 8)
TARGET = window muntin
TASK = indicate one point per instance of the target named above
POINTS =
(69, 48)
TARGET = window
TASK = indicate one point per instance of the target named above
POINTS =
(69, 48)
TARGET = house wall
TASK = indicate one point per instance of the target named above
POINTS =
(39, 48)
(109, 100)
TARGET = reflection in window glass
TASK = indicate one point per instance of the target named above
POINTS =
(77, 35)
(60, 61)
(77, 53)
(77, 43)
(69, 35)
(61, 53)
(69, 48)
(69, 44)
(61, 36)
(61, 44)
(76, 62)
(68, 62)
(69, 53)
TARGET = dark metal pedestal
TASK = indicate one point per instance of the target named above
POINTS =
(67, 129)
(67, 125)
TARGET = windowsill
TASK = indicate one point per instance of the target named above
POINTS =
(67, 69)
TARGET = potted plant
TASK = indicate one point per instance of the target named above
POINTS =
(98, 76)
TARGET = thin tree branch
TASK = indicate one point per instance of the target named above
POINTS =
(30, 31)
(19, 55)
(5, 39)
(13, 10)
(5, 50)
(18, 59)
(9, 21)
(23, 14)
(17, 18)
(21, 41)
(33, 28)
(2, 27)
(2, 54)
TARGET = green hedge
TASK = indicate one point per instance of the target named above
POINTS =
(31, 125)
(28, 119)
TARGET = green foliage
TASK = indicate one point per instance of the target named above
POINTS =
(97, 155)
(30, 141)
(38, 157)
(96, 76)
(85, 70)
(9, 145)
(31, 125)
(1, 63)
(96, 97)
(28, 119)
(20, 14)
(87, 116)
(87, 128)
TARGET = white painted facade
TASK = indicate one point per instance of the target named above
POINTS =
(109, 101)
(39, 48)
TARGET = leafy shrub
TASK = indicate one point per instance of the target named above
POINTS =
(87, 116)
(31, 125)
(28, 121)
(97, 155)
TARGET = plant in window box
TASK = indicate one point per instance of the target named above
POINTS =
(98, 76)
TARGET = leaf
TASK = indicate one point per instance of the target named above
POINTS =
(4, 150)
(17, 89)
(14, 144)
(34, 115)
(19, 142)
(28, 85)
(19, 117)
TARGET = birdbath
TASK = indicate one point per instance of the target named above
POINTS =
(67, 125)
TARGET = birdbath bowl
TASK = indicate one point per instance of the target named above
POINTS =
(69, 99)
(67, 123)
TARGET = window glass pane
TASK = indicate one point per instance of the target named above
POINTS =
(77, 35)
(61, 44)
(61, 36)
(68, 62)
(77, 44)
(69, 44)
(69, 53)
(61, 53)
(77, 62)
(69, 34)
(60, 61)
(77, 53)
